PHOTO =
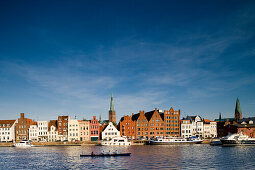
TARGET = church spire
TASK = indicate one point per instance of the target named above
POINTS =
(112, 113)
(238, 111)
(111, 105)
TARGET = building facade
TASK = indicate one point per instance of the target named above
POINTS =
(22, 128)
(73, 130)
(172, 122)
(151, 124)
(7, 130)
(186, 128)
(43, 130)
(63, 127)
(53, 131)
(94, 129)
(127, 126)
(110, 132)
(84, 130)
(33, 133)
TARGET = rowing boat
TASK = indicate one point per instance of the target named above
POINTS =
(107, 155)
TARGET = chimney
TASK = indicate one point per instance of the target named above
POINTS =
(22, 115)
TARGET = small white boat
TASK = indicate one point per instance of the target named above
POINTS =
(117, 141)
(175, 141)
(23, 144)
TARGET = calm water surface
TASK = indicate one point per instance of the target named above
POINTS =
(142, 157)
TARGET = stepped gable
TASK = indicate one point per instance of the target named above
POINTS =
(52, 123)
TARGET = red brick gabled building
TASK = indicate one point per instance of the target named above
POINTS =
(151, 124)
(63, 127)
(172, 122)
(94, 129)
(128, 126)
(22, 128)
(156, 124)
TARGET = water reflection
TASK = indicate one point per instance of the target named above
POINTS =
(142, 157)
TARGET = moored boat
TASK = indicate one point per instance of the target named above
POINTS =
(175, 141)
(216, 142)
(23, 144)
(237, 139)
(119, 141)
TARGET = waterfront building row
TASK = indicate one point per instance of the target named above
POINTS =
(196, 126)
(151, 124)
(63, 129)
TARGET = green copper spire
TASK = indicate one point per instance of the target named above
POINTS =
(111, 105)
(238, 111)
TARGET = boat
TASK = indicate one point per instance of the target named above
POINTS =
(117, 141)
(106, 155)
(174, 141)
(237, 139)
(23, 144)
(216, 142)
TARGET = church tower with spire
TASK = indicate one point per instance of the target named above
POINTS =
(112, 113)
(238, 111)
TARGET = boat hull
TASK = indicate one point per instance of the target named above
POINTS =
(107, 155)
(238, 142)
(174, 143)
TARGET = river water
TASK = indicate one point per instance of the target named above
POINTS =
(197, 156)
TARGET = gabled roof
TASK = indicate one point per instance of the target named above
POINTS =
(149, 115)
(106, 126)
(121, 119)
(11, 122)
(135, 116)
(191, 118)
(207, 121)
(162, 116)
(52, 123)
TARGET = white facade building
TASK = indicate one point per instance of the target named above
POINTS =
(195, 126)
(198, 127)
(53, 131)
(110, 132)
(73, 130)
(213, 129)
(42, 130)
(33, 133)
(7, 130)
(186, 128)
(207, 133)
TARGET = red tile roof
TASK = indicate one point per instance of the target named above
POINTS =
(11, 122)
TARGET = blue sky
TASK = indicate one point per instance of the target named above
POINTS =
(66, 57)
